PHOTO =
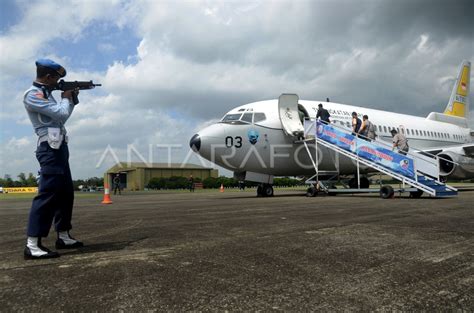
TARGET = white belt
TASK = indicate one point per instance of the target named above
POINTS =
(45, 138)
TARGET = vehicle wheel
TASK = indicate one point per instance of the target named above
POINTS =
(364, 182)
(267, 190)
(311, 192)
(416, 194)
(386, 192)
(259, 191)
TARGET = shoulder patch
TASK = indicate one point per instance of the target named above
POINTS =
(39, 95)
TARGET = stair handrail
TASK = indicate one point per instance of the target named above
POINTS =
(385, 143)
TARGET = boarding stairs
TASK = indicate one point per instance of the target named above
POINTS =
(425, 175)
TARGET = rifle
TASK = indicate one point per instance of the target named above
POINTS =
(79, 85)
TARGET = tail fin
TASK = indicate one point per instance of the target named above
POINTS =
(458, 104)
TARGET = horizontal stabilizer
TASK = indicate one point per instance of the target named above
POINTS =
(451, 119)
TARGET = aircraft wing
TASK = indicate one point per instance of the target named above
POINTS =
(468, 149)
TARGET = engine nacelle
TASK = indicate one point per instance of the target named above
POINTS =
(462, 168)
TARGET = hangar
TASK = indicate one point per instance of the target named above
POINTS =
(135, 176)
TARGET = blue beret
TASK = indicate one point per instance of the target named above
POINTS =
(51, 65)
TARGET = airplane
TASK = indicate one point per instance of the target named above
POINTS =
(260, 140)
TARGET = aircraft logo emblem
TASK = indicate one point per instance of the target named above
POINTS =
(253, 136)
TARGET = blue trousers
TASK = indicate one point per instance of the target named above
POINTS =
(55, 197)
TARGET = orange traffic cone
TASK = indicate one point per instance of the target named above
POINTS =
(222, 188)
(106, 195)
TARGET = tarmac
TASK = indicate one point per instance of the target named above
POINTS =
(231, 251)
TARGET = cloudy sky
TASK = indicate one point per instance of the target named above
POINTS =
(168, 68)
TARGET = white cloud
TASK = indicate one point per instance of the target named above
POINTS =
(18, 143)
(106, 47)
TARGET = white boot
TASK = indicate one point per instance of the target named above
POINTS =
(34, 250)
(32, 244)
(65, 241)
(64, 236)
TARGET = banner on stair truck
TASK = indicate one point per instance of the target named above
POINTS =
(367, 150)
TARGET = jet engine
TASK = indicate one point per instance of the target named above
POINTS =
(456, 164)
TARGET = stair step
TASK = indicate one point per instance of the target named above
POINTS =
(446, 194)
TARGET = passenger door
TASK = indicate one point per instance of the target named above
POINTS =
(289, 115)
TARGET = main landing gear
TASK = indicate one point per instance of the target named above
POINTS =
(364, 182)
(265, 190)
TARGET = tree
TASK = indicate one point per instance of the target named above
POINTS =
(31, 180)
(23, 182)
(8, 181)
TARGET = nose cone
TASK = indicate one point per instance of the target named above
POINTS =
(195, 143)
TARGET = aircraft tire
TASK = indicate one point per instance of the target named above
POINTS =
(364, 182)
(311, 192)
(416, 194)
(387, 192)
(353, 183)
(267, 190)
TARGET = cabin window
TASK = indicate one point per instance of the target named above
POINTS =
(416, 130)
(258, 117)
(384, 129)
(247, 117)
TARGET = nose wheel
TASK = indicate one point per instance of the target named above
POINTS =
(265, 190)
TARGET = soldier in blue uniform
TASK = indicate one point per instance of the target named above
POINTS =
(56, 192)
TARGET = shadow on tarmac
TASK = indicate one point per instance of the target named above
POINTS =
(98, 247)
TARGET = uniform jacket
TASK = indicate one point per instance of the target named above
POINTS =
(44, 111)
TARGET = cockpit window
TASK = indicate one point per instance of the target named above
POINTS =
(258, 117)
(247, 117)
(231, 118)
